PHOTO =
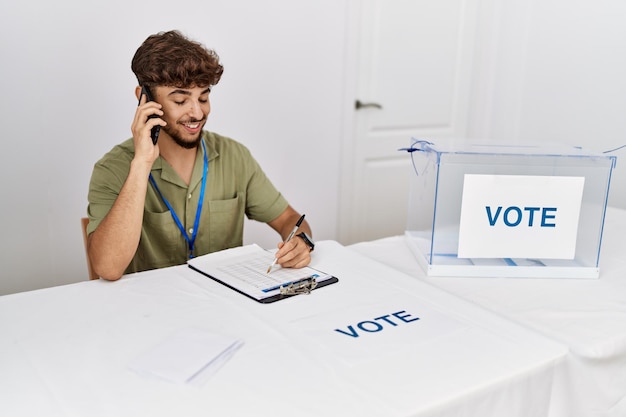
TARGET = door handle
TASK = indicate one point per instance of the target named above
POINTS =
(359, 105)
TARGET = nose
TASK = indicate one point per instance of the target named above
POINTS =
(196, 110)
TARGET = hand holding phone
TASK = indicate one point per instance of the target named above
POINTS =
(154, 132)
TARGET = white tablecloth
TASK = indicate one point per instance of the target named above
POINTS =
(66, 351)
(587, 315)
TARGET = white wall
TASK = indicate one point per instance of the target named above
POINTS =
(553, 70)
(67, 97)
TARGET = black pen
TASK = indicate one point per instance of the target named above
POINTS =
(293, 232)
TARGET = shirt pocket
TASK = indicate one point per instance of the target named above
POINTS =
(226, 223)
(162, 243)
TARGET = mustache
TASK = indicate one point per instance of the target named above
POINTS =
(193, 120)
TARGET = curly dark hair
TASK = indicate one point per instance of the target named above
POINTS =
(169, 58)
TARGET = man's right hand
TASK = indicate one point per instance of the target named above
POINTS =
(141, 126)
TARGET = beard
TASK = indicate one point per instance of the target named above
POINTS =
(187, 144)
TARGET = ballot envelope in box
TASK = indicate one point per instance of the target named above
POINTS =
(483, 209)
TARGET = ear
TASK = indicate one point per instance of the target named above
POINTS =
(138, 92)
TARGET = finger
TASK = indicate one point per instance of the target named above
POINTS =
(155, 122)
(297, 262)
(149, 109)
(142, 124)
(143, 99)
(285, 247)
(296, 256)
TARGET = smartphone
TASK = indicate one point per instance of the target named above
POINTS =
(154, 132)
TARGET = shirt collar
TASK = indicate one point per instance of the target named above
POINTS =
(165, 172)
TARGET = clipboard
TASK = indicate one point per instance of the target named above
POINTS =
(244, 270)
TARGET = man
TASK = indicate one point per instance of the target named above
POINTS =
(157, 205)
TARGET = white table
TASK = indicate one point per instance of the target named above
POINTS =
(65, 350)
(587, 315)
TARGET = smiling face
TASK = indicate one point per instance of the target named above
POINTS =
(185, 111)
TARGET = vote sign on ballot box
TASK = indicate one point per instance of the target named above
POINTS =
(488, 209)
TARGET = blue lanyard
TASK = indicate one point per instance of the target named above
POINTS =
(190, 240)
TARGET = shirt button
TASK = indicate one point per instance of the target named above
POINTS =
(189, 197)
(191, 231)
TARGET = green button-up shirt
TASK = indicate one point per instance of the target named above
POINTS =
(236, 185)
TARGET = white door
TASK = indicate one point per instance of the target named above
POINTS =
(413, 69)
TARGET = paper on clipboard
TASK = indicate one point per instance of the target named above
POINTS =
(244, 269)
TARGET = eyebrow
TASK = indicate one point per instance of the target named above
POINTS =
(188, 93)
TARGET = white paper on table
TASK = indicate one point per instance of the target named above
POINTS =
(189, 356)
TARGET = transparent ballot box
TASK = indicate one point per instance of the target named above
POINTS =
(483, 209)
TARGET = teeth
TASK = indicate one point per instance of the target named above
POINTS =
(192, 126)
